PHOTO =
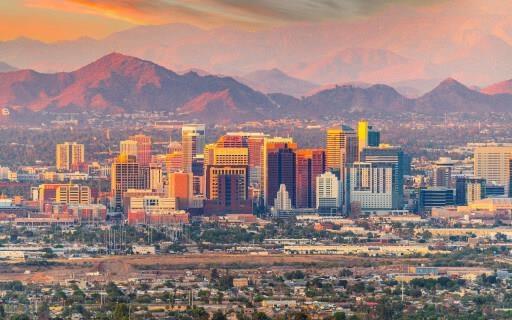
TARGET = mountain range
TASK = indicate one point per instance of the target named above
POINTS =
(503, 87)
(118, 83)
(319, 53)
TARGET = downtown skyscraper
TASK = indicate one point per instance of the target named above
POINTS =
(193, 142)
(341, 147)
(310, 164)
(69, 155)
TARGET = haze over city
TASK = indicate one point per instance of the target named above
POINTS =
(255, 160)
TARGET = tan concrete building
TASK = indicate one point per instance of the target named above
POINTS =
(492, 164)
(68, 155)
(73, 194)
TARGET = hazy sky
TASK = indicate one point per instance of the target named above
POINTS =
(52, 20)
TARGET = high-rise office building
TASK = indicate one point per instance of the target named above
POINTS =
(492, 163)
(198, 172)
(213, 172)
(143, 148)
(310, 164)
(391, 155)
(328, 193)
(193, 142)
(69, 155)
(128, 147)
(271, 145)
(173, 162)
(367, 135)
(231, 195)
(254, 142)
(435, 197)
(442, 172)
(228, 151)
(469, 189)
(371, 185)
(255, 145)
(153, 177)
(229, 156)
(232, 141)
(341, 147)
(373, 137)
(208, 156)
(280, 164)
(181, 188)
(125, 174)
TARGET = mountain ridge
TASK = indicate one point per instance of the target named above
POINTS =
(117, 83)
(389, 56)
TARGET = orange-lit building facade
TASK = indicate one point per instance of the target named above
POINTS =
(310, 163)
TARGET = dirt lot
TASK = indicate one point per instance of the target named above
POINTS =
(125, 267)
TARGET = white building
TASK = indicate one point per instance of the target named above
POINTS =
(371, 185)
(282, 201)
(328, 191)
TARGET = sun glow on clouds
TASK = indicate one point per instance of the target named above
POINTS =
(65, 19)
(209, 13)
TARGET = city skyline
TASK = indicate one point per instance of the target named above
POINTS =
(255, 159)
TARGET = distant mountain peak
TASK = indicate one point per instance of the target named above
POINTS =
(276, 72)
(122, 64)
(503, 87)
(115, 57)
(452, 96)
(450, 84)
(276, 80)
(450, 81)
(4, 67)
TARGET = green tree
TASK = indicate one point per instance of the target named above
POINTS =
(260, 316)
(218, 315)
(113, 292)
(121, 312)
(346, 272)
(199, 314)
